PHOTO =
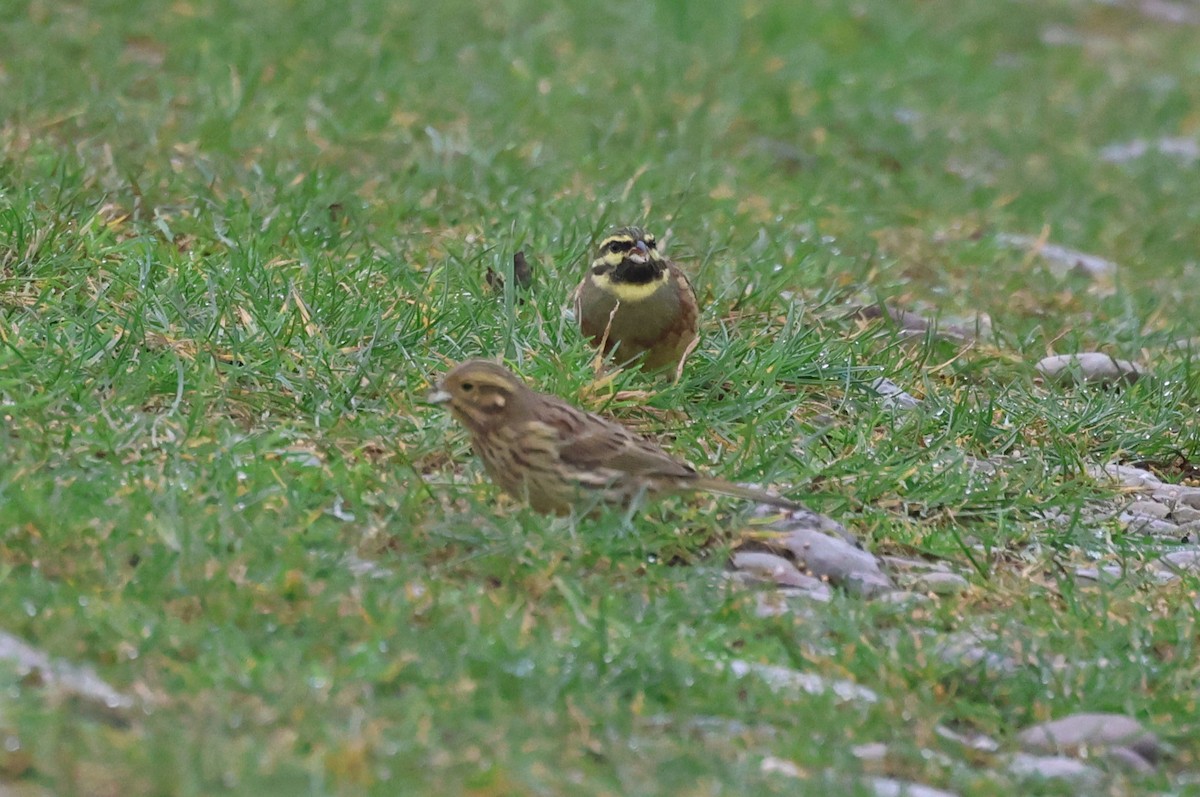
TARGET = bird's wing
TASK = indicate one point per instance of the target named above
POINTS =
(598, 443)
(577, 300)
(682, 277)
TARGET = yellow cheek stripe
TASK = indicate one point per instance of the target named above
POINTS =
(612, 259)
(628, 291)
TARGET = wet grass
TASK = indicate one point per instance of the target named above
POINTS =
(238, 239)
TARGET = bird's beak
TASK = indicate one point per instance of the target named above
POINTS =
(640, 253)
(641, 247)
(438, 396)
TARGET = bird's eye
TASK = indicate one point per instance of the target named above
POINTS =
(468, 387)
(651, 243)
(620, 246)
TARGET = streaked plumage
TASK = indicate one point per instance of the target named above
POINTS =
(540, 449)
(656, 313)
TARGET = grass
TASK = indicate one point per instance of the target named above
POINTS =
(238, 240)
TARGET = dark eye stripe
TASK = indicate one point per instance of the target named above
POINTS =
(619, 246)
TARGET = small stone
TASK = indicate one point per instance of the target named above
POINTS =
(784, 679)
(940, 583)
(905, 563)
(1088, 368)
(966, 650)
(1173, 495)
(913, 326)
(975, 741)
(872, 751)
(1185, 149)
(887, 787)
(786, 600)
(1152, 509)
(986, 467)
(1059, 36)
(1166, 495)
(807, 519)
(902, 597)
(1190, 496)
(1062, 261)
(1125, 475)
(1068, 734)
(1113, 574)
(894, 397)
(1130, 760)
(365, 568)
(1053, 767)
(78, 682)
(774, 569)
(1110, 574)
(1181, 562)
(772, 765)
(1151, 527)
(843, 564)
(1185, 514)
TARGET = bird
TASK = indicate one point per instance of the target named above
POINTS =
(559, 458)
(637, 301)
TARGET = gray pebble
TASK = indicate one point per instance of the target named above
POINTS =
(975, 741)
(1185, 514)
(1061, 260)
(871, 751)
(78, 682)
(1151, 527)
(967, 650)
(1129, 759)
(1126, 475)
(902, 597)
(1057, 767)
(1181, 562)
(1109, 574)
(1177, 496)
(913, 326)
(1068, 734)
(1189, 531)
(1112, 574)
(1186, 150)
(905, 563)
(894, 397)
(772, 568)
(785, 679)
(940, 583)
(887, 787)
(840, 562)
(983, 467)
(774, 765)
(1088, 368)
(1153, 509)
(788, 600)
(807, 519)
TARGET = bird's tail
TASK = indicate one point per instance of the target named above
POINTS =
(741, 491)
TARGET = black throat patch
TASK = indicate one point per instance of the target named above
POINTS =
(638, 273)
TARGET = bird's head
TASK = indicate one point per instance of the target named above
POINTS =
(481, 393)
(629, 255)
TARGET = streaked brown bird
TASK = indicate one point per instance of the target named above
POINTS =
(638, 302)
(540, 449)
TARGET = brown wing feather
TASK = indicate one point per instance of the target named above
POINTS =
(632, 455)
(592, 442)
